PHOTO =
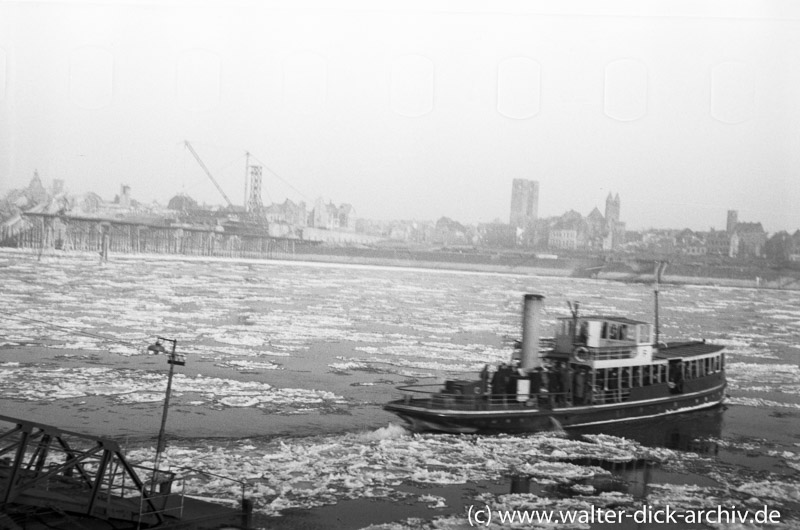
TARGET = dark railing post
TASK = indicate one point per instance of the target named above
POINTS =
(247, 511)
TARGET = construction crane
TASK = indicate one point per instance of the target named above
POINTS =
(202, 165)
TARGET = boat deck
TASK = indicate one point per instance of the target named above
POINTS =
(686, 349)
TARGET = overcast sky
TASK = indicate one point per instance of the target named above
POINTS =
(415, 110)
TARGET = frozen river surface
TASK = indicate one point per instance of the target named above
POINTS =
(288, 365)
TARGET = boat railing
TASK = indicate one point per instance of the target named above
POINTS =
(604, 353)
(433, 398)
(600, 397)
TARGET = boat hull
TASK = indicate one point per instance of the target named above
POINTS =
(421, 415)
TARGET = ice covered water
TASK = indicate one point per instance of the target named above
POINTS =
(288, 365)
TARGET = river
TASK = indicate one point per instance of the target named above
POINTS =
(288, 364)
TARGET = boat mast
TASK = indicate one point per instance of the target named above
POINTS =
(246, 176)
(659, 270)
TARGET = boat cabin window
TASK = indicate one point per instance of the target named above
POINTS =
(702, 367)
(711, 364)
(595, 332)
(639, 333)
(610, 331)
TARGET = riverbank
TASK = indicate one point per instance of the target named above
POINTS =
(785, 283)
(553, 269)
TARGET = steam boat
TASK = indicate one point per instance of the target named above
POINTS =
(598, 370)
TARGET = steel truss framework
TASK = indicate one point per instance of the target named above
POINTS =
(48, 468)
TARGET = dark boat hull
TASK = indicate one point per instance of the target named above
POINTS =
(422, 415)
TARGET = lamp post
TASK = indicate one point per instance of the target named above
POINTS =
(173, 359)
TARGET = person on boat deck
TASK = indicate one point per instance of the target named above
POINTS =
(501, 382)
(566, 383)
(485, 379)
(613, 385)
(584, 333)
(536, 383)
(579, 386)
(511, 385)
(676, 378)
(496, 384)
(591, 392)
(554, 384)
(624, 382)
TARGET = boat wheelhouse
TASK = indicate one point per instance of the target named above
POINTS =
(600, 369)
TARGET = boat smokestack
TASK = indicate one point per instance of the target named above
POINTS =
(532, 307)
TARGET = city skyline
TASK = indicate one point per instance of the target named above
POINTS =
(417, 112)
(524, 196)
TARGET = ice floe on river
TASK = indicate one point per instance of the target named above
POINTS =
(139, 386)
(574, 473)
(766, 378)
(362, 329)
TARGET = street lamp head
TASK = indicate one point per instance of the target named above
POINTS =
(157, 348)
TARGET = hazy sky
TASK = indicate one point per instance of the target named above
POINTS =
(415, 110)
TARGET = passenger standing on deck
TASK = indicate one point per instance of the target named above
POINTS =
(624, 383)
(566, 384)
(579, 386)
(536, 384)
(511, 384)
(553, 384)
(485, 379)
(501, 384)
(497, 385)
(536, 380)
(613, 385)
(584, 334)
(592, 392)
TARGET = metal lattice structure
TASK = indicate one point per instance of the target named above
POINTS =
(52, 478)
(254, 204)
(46, 468)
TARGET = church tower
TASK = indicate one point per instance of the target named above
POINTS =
(615, 230)
(612, 209)
(733, 220)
